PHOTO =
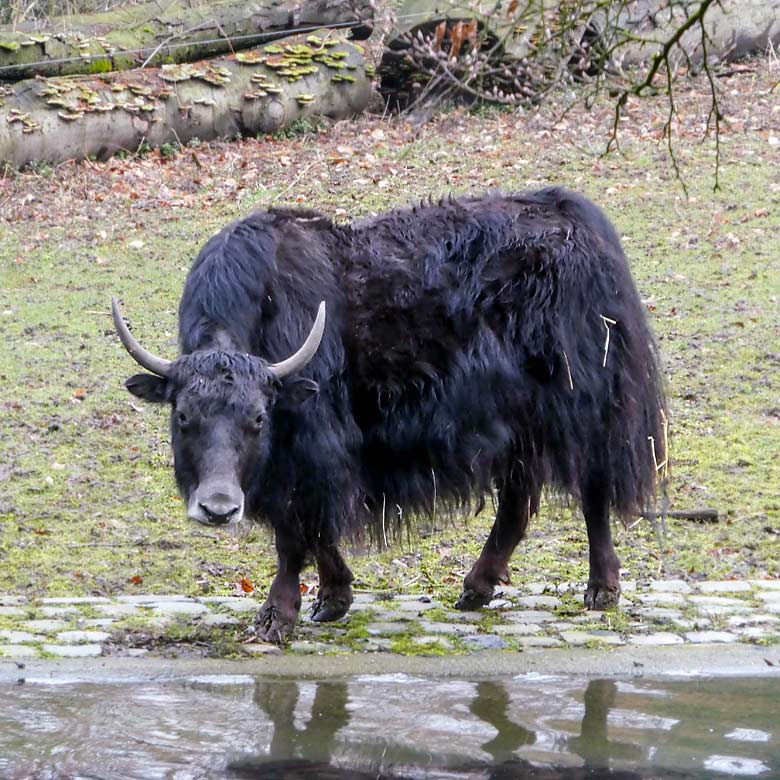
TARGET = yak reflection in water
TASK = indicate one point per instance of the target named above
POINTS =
(305, 752)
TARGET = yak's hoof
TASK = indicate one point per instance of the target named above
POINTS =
(329, 608)
(601, 597)
(473, 599)
(272, 626)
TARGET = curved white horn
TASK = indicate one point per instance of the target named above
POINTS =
(300, 358)
(143, 357)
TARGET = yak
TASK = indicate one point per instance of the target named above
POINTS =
(474, 346)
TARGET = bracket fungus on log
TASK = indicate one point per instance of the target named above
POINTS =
(58, 119)
(184, 30)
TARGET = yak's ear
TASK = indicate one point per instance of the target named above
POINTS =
(148, 387)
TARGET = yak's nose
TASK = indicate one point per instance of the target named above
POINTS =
(216, 504)
(219, 509)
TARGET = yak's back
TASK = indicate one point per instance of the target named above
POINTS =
(426, 283)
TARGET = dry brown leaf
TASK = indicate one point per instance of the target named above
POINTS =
(438, 37)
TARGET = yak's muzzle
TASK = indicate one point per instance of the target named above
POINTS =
(216, 505)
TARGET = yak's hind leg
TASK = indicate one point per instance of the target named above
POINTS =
(603, 589)
(516, 505)
(335, 592)
(277, 617)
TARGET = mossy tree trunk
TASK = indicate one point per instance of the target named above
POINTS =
(256, 91)
(184, 31)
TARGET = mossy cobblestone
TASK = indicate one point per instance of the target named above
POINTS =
(668, 612)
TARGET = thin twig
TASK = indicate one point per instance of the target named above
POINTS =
(663, 58)
(384, 529)
(433, 515)
(714, 107)
(293, 182)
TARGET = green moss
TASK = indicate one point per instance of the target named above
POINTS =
(300, 127)
(596, 644)
(181, 635)
(98, 66)
(404, 644)
(489, 620)
(570, 606)
(356, 633)
(436, 615)
(616, 619)
(169, 150)
(767, 641)
(45, 655)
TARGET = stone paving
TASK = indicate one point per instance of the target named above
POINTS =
(666, 612)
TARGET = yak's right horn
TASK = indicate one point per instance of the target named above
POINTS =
(299, 359)
(143, 357)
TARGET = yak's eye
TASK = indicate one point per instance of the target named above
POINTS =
(182, 419)
(258, 421)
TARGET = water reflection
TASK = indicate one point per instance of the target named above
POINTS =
(299, 753)
(593, 743)
(393, 727)
(491, 705)
(314, 741)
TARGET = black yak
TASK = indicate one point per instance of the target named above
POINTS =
(475, 344)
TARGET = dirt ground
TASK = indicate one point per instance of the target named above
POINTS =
(88, 505)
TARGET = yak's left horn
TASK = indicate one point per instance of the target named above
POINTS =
(300, 358)
(143, 357)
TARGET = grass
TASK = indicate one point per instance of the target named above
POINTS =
(87, 499)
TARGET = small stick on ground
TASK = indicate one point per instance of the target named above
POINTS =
(705, 515)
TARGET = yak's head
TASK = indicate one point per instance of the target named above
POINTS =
(221, 403)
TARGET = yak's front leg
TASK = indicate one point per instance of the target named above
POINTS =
(278, 616)
(335, 593)
(515, 507)
(603, 589)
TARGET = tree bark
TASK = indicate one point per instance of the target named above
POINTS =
(186, 30)
(735, 28)
(258, 91)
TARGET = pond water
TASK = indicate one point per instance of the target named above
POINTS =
(392, 727)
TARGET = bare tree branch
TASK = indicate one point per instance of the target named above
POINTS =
(543, 47)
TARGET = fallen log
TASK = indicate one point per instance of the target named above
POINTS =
(735, 28)
(186, 30)
(257, 91)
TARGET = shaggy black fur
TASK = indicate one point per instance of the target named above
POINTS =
(452, 332)
(465, 346)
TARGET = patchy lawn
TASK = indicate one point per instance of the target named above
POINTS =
(87, 499)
